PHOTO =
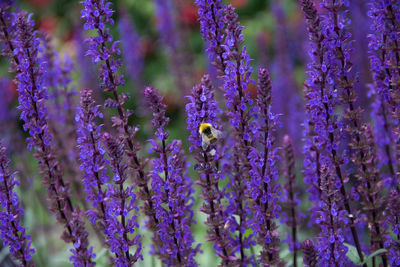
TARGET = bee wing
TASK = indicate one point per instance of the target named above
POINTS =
(216, 133)
(205, 141)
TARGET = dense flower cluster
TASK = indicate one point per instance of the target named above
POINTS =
(172, 192)
(121, 208)
(92, 156)
(203, 108)
(32, 97)
(97, 14)
(323, 163)
(384, 59)
(12, 232)
(212, 25)
(262, 187)
(142, 203)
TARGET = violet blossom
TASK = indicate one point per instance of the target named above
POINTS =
(383, 55)
(212, 29)
(362, 151)
(290, 197)
(202, 107)
(32, 99)
(262, 187)
(173, 192)
(93, 163)
(323, 163)
(310, 254)
(104, 50)
(121, 218)
(12, 231)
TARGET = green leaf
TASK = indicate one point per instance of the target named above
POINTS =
(376, 253)
(352, 254)
(248, 232)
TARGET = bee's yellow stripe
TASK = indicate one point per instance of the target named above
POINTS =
(203, 126)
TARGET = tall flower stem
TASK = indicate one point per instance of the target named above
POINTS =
(202, 107)
(173, 190)
(341, 37)
(98, 14)
(121, 205)
(32, 96)
(323, 68)
(292, 202)
(11, 230)
(93, 162)
(262, 187)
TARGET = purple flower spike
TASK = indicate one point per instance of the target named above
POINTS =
(202, 107)
(324, 162)
(362, 150)
(121, 208)
(173, 192)
(262, 188)
(384, 60)
(290, 198)
(370, 188)
(392, 218)
(97, 14)
(11, 231)
(236, 80)
(32, 103)
(212, 28)
(310, 258)
(92, 157)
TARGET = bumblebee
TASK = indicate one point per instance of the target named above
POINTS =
(209, 135)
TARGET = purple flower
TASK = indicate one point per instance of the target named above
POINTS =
(92, 156)
(202, 107)
(236, 80)
(290, 197)
(11, 230)
(102, 48)
(121, 225)
(97, 14)
(370, 188)
(32, 99)
(212, 26)
(362, 147)
(392, 218)
(323, 162)
(262, 187)
(173, 190)
(384, 61)
(310, 258)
